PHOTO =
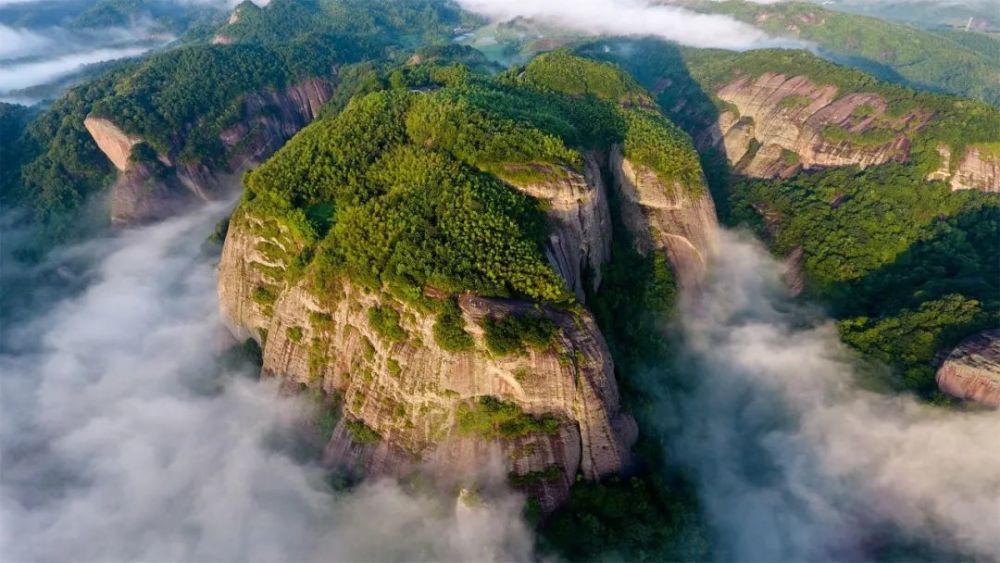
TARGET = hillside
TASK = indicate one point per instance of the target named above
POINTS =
(199, 114)
(424, 259)
(893, 52)
(854, 180)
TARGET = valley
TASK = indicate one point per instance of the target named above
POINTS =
(433, 284)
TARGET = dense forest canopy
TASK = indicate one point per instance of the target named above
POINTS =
(410, 179)
(884, 247)
(179, 100)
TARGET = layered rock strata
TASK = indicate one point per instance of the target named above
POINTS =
(972, 370)
(409, 392)
(677, 219)
(145, 192)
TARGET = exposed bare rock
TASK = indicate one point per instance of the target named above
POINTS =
(667, 218)
(269, 119)
(972, 370)
(777, 123)
(245, 266)
(580, 238)
(409, 392)
(113, 142)
(976, 171)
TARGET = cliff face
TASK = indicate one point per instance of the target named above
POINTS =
(410, 391)
(972, 370)
(144, 192)
(976, 170)
(667, 218)
(580, 236)
(113, 142)
(778, 125)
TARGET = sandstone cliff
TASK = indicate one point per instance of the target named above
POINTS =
(977, 170)
(972, 370)
(679, 220)
(407, 393)
(113, 142)
(776, 125)
(144, 193)
(580, 237)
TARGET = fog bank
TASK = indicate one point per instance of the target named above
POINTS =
(794, 461)
(632, 17)
(121, 442)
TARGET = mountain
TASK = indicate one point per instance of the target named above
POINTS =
(979, 15)
(883, 199)
(461, 266)
(895, 52)
(181, 125)
(423, 259)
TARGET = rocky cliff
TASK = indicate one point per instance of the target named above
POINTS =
(145, 192)
(972, 370)
(977, 170)
(113, 142)
(776, 125)
(677, 219)
(403, 399)
(580, 224)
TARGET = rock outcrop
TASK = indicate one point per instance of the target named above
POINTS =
(580, 237)
(145, 192)
(972, 370)
(777, 125)
(408, 392)
(677, 219)
(976, 170)
(113, 142)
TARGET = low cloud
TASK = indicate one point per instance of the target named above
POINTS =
(16, 42)
(632, 17)
(19, 76)
(120, 442)
(795, 461)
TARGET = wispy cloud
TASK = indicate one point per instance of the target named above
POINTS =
(120, 443)
(795, 461)
(25, 75)
(631, 17)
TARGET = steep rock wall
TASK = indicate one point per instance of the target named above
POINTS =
(976, 170)
(268, 120)
(777, 125)
(972, 370)
(667, 218)
(409, 391)
(580, 238)
(113, 142)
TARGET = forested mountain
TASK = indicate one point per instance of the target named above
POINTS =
(934, 61)
(856, 180)
(456, 265)
(182, 105)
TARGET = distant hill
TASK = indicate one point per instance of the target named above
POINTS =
(937, 62)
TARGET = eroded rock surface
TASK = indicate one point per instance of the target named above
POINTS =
(113, 142)
(580, 238)
(409, 391)
(145, 192)
(677, 219)
(972, 370)
(778, 125)
(976, 171)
